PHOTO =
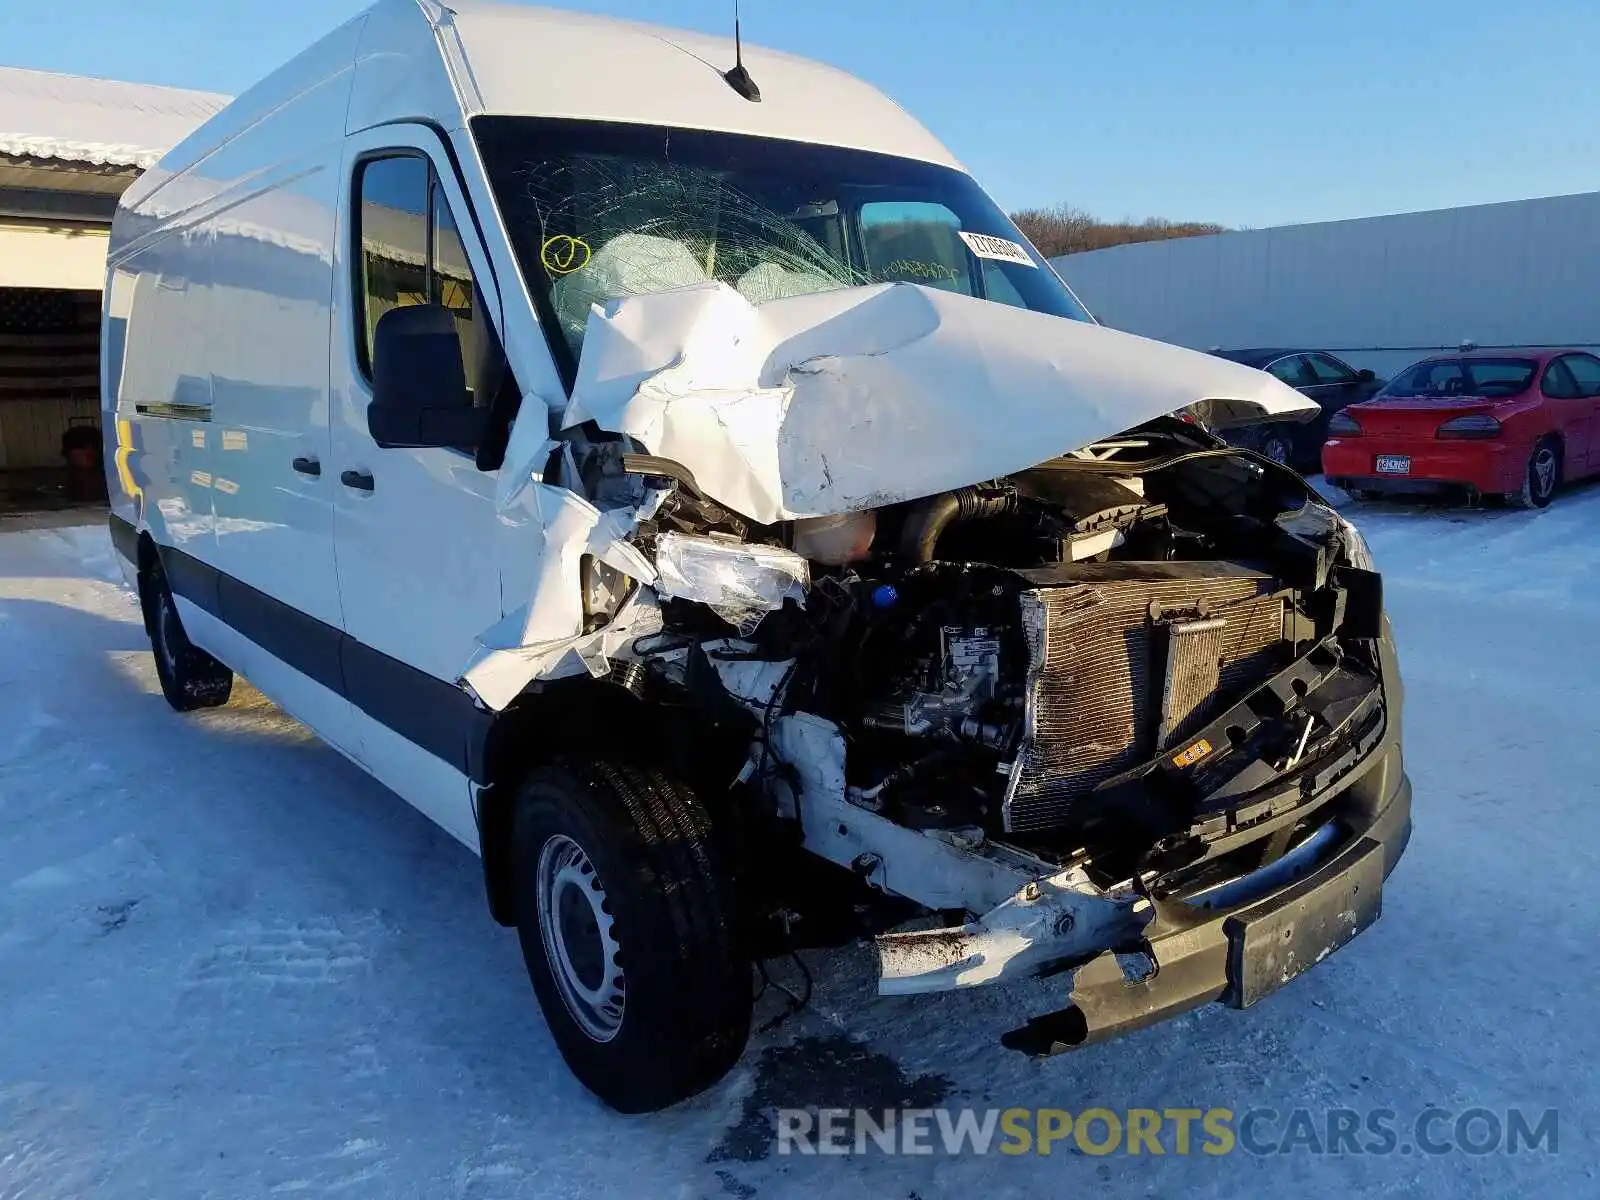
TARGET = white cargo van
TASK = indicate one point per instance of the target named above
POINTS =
(672, 474)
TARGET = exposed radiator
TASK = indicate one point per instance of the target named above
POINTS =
(1125, 659)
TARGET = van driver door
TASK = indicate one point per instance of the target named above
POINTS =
(414, 529)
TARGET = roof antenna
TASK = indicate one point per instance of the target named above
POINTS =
(738, 78)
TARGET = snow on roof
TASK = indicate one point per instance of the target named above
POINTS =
(98, 121)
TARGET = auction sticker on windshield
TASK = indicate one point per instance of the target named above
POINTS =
(998, 248)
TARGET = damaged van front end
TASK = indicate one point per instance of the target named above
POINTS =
(1085, 691)
(658, 461)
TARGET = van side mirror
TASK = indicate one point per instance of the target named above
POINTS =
(1365, 376)
(419, 388)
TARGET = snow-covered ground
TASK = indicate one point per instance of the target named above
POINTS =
(232, 966)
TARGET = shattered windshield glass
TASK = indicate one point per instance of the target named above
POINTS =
(598, 211)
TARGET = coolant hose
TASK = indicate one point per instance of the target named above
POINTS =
(929, 520)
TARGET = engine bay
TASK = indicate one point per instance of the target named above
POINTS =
(1035, 661)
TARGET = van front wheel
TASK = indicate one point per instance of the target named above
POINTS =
(626, 915)
(190, 678)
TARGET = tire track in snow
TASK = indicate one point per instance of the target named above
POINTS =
(320, 950)
(354, 1162)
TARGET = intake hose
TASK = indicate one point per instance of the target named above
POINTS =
(929, 520)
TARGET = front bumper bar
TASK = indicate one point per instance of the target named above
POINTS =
(1195, 955)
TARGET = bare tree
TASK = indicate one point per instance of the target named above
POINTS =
(1067, 230)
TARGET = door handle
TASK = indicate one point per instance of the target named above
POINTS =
(308, 466)
(360, 480)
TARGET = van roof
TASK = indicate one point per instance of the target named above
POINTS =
(606, 69)
(421, 60)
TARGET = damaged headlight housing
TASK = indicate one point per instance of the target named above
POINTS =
(739, 581)
(1356, 551)
(1321, 523)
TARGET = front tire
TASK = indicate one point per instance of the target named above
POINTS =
(1541, 476)
(626, 915)
(190, 678)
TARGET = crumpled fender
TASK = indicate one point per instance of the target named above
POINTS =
(545, 637)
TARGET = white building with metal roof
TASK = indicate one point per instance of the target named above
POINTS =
(1380, 292)
(69, 147)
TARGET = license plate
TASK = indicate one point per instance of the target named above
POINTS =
(1394, 464)
(1268, 949)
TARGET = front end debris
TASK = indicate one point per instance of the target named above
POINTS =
(1127, 713)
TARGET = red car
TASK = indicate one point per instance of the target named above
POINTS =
(1487, 424)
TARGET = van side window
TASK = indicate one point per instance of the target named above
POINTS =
(451, 284)
(411, 252)
(392, 225)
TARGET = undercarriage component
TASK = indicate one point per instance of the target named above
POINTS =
(1048, 921)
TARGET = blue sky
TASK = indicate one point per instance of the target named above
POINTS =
(1248, 112)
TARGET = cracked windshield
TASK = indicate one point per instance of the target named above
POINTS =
(599, 212)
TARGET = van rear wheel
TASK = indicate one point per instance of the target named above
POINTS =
(190, 678)
(626, 914)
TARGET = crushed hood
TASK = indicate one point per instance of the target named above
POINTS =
(865, 396)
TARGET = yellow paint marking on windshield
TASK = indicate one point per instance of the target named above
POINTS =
(564, 254)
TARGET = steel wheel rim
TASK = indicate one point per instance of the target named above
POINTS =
(1544, 471)
(579, 939)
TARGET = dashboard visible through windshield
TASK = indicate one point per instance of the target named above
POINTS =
(599, 211)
